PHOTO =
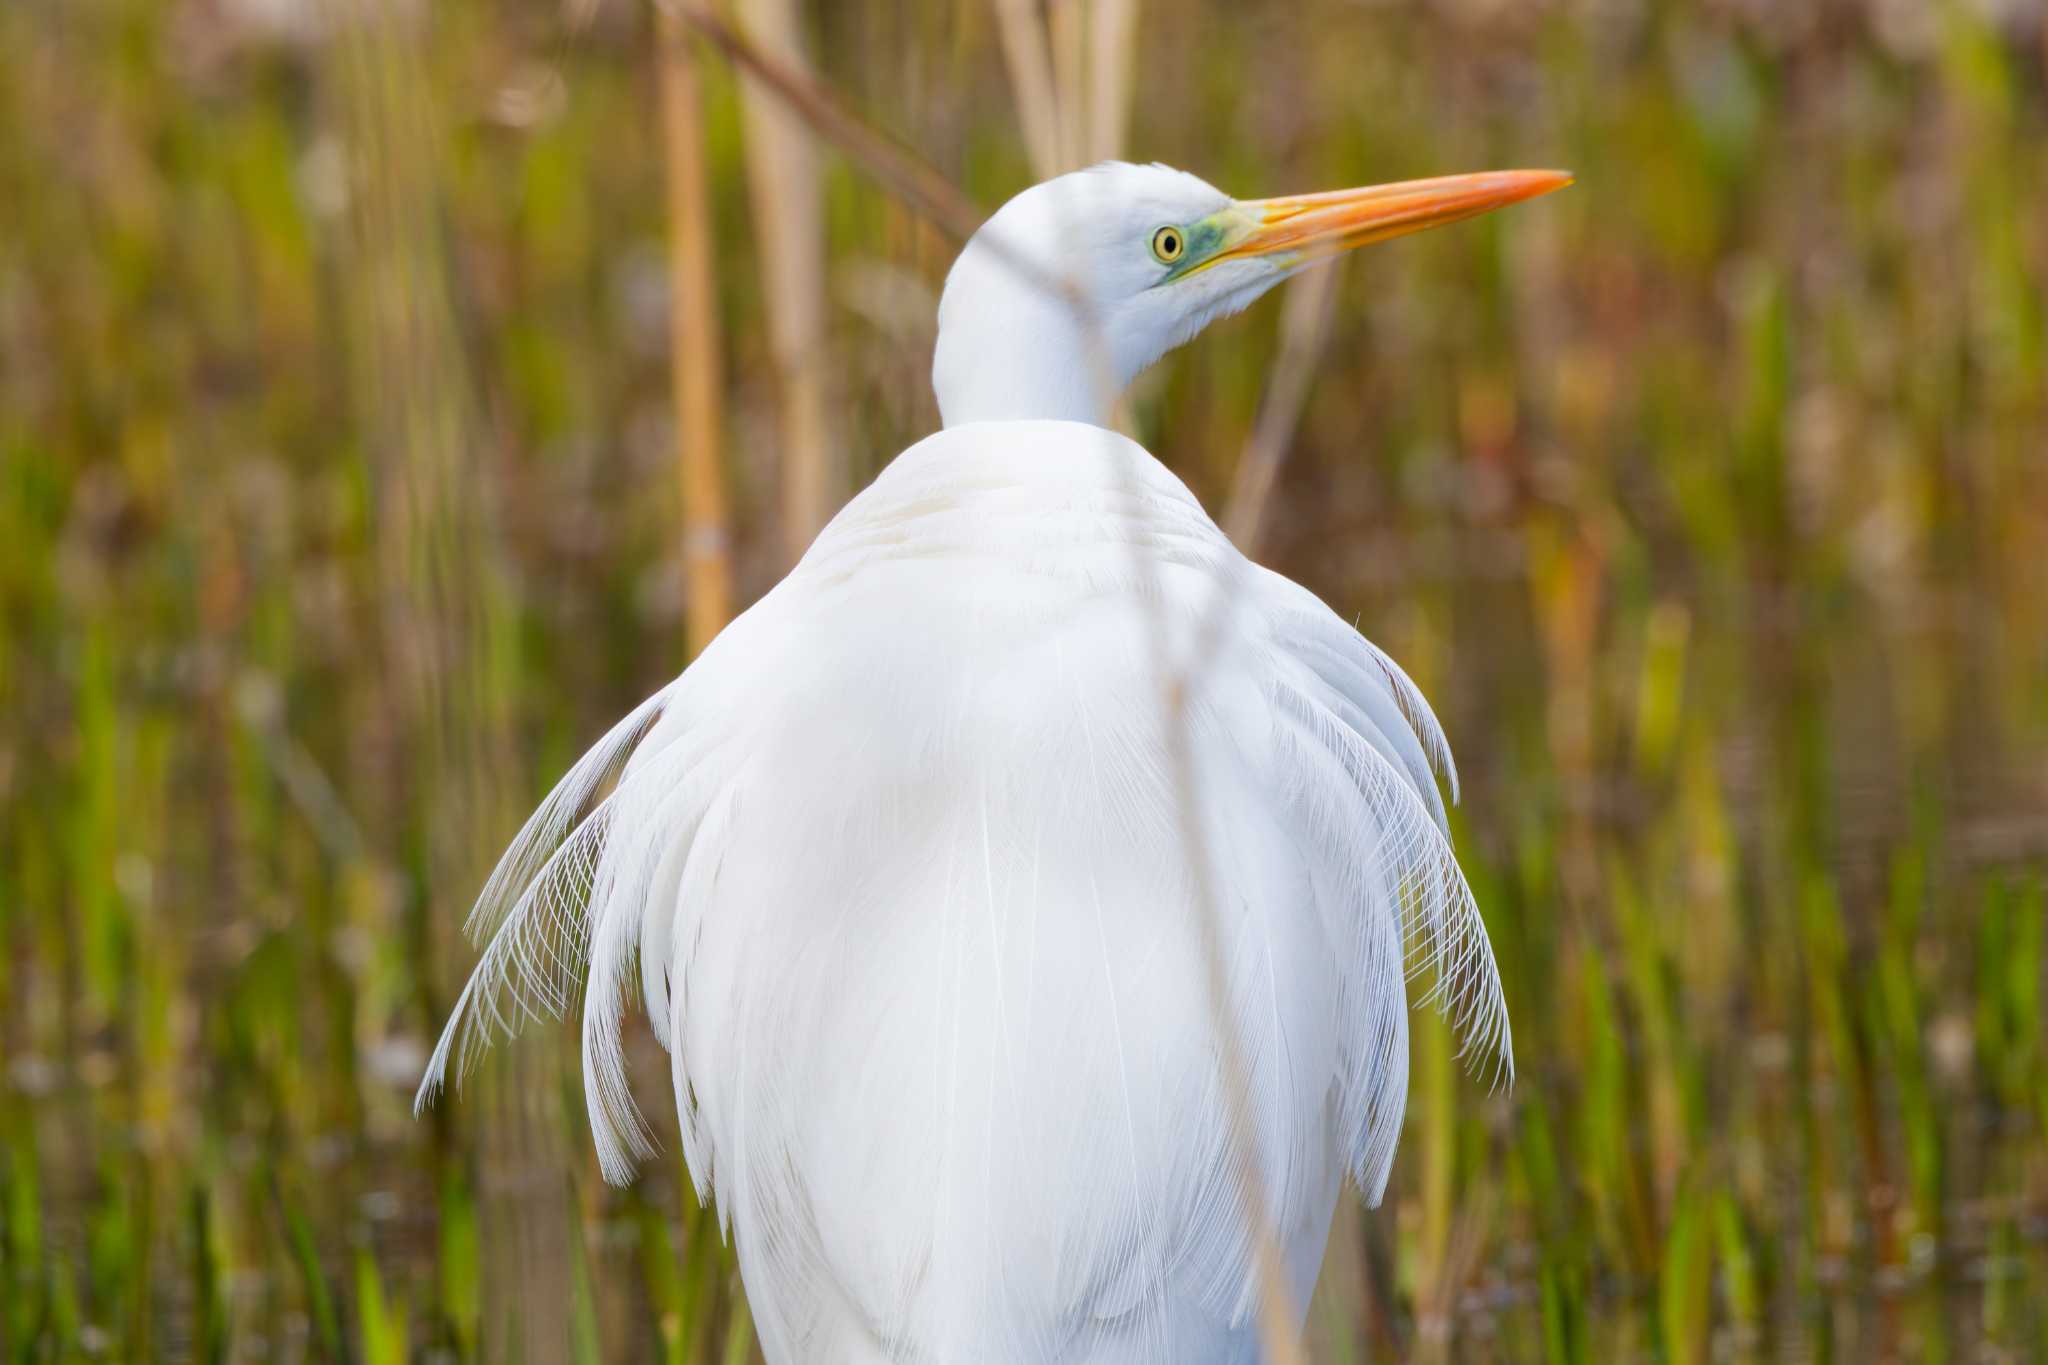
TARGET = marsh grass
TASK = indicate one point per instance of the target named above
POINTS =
(338, 500)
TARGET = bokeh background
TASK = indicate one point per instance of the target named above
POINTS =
(367, 445)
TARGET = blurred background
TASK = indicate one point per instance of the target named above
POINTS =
(391, 393)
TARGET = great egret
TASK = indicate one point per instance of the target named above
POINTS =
(899, 859)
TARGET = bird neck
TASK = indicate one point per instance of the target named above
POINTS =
(1009, 350)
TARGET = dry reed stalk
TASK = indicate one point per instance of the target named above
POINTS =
(1038, 108)
(1067, 32)
(1279, 1338)
(1304, 326)
(694, 338)
(901, 172)
(1112, 51)
(789, 221)
(922, 187)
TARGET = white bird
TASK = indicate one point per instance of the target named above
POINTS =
(914, 890)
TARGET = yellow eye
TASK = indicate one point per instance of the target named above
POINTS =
(1168, 244)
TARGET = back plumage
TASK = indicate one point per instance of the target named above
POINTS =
(895, 870)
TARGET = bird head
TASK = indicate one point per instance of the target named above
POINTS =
(1078, 284)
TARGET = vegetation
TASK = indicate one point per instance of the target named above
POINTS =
(339, 508)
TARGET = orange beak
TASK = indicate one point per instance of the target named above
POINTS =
(1308, 227)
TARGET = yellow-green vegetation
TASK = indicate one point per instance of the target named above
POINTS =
(339, 509)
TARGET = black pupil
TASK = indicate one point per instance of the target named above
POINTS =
(1169, 244)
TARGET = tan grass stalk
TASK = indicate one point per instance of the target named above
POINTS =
(901, 172)
(694, 339)
(1112, 50)
(934, 195)
(1038, 112)
(1304, 325)
(1067, 28)
(789, 222)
